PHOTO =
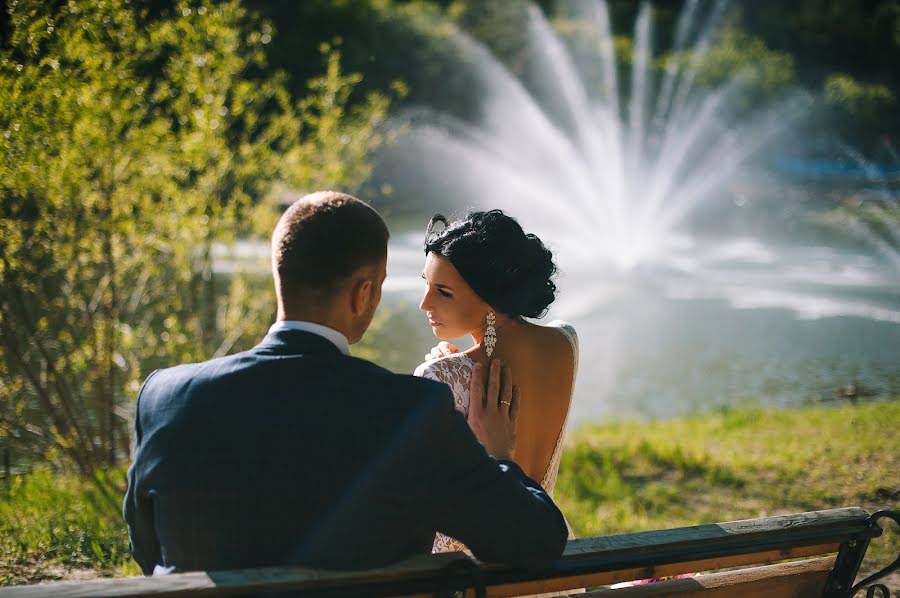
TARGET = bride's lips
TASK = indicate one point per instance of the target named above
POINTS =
(433, 323)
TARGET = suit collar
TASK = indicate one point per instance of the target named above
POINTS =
(337, 338)
(296, 342)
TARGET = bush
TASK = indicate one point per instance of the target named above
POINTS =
(133, 146)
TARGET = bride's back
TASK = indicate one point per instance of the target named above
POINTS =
(542, 360)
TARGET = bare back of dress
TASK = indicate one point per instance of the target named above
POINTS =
(456, 371)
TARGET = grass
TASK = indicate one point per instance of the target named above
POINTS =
(56, 526)
(734, 464)
(614, 478)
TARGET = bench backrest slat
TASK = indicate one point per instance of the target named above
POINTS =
(709, 543)
(823, 524)
(603, 578)
(798, 579)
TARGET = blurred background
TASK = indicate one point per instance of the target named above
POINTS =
(719, 182)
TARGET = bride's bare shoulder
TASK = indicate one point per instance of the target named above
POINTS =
(566, 329)
(558, 340)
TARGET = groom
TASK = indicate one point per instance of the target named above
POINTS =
(296, 453)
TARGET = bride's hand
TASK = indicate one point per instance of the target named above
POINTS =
(494, 410)
(443, 349)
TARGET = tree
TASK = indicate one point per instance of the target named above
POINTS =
(133, 146)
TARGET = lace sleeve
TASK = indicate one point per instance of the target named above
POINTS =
(456, 372)
(425, 370)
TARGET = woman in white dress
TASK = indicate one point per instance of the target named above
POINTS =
(483, 277)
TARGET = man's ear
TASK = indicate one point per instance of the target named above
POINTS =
(360, 295)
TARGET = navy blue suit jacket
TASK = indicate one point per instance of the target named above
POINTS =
(293, 453)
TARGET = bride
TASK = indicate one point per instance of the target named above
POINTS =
(483, 277)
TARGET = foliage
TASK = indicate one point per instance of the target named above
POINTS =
(856, 106)
(336, 137)
(857, 99)
(847, 49)
(388, 40)
(769, 45)
(500, 25)
(764, 73)
(134, 147)
(734, 60)
(858, 38)
(732, 464)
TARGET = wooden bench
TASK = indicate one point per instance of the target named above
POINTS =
(753, 553)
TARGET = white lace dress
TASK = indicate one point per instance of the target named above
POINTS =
(456, 371)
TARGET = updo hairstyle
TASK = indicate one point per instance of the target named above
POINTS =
(508, 269)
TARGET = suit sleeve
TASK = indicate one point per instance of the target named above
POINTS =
(138, 506)
(498, 512)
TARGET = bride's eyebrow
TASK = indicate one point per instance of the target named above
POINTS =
(443, 287)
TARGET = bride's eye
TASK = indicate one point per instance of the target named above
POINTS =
(439, 289)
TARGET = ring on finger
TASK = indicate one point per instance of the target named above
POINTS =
(505, 403)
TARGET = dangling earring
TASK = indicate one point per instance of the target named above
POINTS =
(490, 334)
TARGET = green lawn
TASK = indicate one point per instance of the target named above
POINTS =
(734, 464)
(59, 526)
(615, 477)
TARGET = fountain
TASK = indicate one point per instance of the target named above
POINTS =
(611, 183)
(566, 159)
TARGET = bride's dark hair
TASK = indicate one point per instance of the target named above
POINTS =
(510, 270)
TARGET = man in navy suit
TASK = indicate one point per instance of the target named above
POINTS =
(296, 453)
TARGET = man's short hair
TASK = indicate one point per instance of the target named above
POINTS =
(323, 238)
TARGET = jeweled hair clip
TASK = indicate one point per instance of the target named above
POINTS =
(430, 233)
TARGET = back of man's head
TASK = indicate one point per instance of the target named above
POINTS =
(321, 240)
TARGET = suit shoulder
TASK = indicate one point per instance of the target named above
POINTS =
(368, 368)
(201, 369)
(420, 385)
(405, 385)
(164, 384)
(158, 386)
(428, 386)
(169, 375)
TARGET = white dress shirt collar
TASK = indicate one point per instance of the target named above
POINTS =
(336, 338)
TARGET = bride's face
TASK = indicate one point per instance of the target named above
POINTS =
(452, 307)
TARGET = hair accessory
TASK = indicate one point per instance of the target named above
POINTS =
(490, 334)
(430, 232)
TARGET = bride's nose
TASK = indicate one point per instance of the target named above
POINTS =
(425, 303)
